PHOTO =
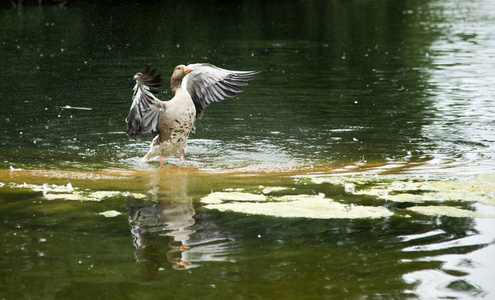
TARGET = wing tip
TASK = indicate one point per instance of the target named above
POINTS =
(151, 79)
(229, 83)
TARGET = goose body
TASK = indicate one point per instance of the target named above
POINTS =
(194, 86)
(174, 127)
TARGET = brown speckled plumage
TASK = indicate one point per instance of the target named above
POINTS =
(171, 122)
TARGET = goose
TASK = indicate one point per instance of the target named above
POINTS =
(195, 86)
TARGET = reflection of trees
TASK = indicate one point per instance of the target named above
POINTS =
(351, 258)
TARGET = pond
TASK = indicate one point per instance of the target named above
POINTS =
(359, 164)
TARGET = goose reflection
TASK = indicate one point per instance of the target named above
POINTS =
(169, 214)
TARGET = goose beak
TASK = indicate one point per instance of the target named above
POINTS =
(188, 70)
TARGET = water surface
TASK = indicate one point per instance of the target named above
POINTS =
(396, 89)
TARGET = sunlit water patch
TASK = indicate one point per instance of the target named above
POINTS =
(462, 82)
(456, 277)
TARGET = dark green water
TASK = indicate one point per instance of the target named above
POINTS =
(342, 81)
(343, 84)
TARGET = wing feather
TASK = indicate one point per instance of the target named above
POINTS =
(208, 84)
(146, 110)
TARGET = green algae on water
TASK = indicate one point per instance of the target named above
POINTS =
(68, 192)
(104, 194)
(303, 206)
(271, 189)
(447, 211)
(219, 197)
(110, 213)
(475, 189)
(74, 197)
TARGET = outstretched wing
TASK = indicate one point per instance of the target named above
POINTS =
(208, 84)
(146, 109)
